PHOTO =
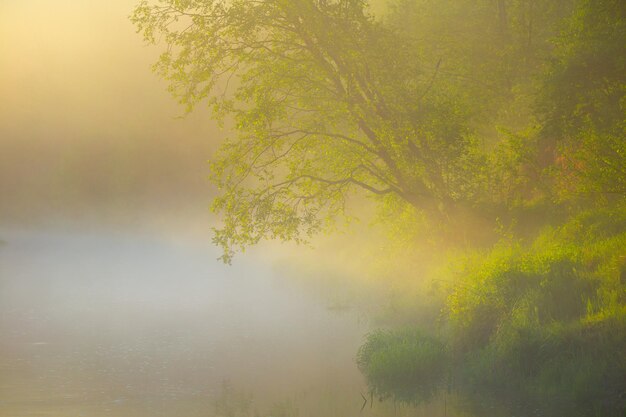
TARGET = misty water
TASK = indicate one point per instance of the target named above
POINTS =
(114, 324)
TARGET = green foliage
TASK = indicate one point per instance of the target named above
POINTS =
(543, 323)
(432, 107)
(554, 280)
(403, 364)
(585, 82)
(535, 326)
(562, 370)
(507, 111)
(583, 102)
(326, 101)
(489, 50)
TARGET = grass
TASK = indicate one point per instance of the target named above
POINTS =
(539, 325)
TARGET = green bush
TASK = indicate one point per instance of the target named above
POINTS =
(403, 364)
(545, 323)
(539, 327)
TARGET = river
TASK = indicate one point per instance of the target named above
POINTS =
(130, 325)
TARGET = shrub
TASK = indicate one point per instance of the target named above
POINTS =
(405, 365)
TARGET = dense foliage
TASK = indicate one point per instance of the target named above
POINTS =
(500, 122)
(404, 364)
(538, 320)
(546, 321)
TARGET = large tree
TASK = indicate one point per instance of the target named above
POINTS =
(583, 102)
(325, 100)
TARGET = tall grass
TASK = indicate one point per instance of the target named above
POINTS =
(539, 326)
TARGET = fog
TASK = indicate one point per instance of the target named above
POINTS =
(86, 130)
(127, 325)
(423, 203)
(112, 302)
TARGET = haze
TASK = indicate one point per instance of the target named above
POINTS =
(85, 129)
(312, 208)
(112, 302)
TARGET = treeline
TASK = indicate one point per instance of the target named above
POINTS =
(537, 318)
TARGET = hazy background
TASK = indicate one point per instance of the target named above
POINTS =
(90, 139)
(112, 302)
(86, 130)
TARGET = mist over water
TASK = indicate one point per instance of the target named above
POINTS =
(500, 294)
(112, 302)
(119, 324)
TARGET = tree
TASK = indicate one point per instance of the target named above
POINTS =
(326, 102)
(493, 50)
(583, 102)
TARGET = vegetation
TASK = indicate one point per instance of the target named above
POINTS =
(496, 128)
(538, 325)
(545, 322)
(404, 364)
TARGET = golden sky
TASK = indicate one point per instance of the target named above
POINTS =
(75, 67)
(81, 114)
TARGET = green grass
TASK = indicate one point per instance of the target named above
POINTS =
(539, 324)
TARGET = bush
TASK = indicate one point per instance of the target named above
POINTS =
(403, 364)
(539, 328)
(545, 324)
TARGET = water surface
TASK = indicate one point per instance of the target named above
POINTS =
(113, 324)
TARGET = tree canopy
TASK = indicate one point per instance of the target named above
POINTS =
(326, 101)
(511, 111)
(434, 106)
